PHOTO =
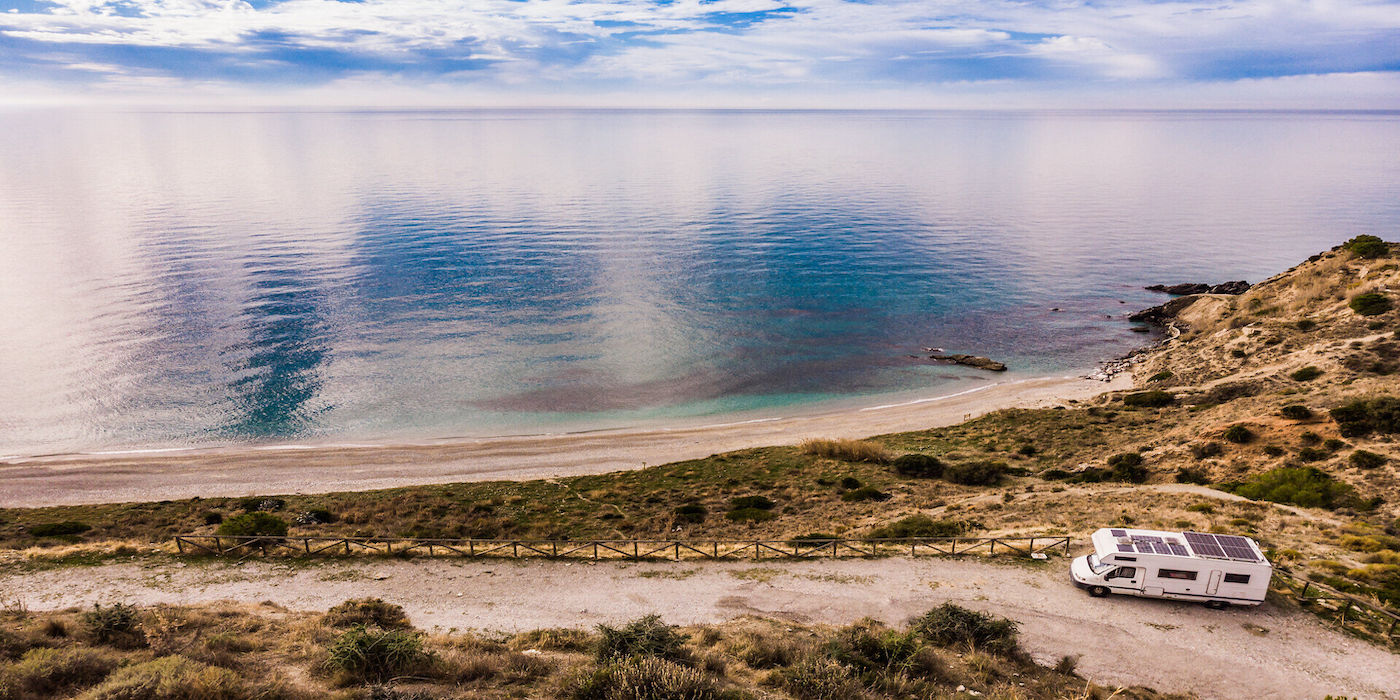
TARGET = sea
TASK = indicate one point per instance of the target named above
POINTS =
(187, 279)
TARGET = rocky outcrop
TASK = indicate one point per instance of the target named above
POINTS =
(1161, 314)
(971, 361)
(1234, 287)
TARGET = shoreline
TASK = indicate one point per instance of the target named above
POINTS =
(244, 470)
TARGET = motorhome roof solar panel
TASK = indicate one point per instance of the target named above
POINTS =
(1125, 548)
(1178, 550)
(1204, 544)
(1118, 533)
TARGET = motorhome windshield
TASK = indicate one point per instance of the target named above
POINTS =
(1097, 566)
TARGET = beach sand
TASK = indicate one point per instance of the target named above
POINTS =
(254, 470)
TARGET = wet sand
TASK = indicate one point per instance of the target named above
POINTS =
(274, 469)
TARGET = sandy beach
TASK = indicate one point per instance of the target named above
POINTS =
(249, 470)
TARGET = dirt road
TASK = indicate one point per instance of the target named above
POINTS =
(1255, 653)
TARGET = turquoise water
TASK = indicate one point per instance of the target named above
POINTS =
(187, 279)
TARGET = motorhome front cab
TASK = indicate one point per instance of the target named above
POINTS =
(1218, 570)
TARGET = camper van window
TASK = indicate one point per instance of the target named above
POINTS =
(1124, 572)
(1236, 578)
(1095, 565)
(1175, 573)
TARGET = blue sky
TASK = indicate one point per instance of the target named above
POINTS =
(722, 53)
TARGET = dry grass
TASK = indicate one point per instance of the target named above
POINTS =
(846, 450)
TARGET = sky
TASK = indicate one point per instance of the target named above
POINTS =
(1322, 54)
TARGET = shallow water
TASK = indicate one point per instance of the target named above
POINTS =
(184, 279)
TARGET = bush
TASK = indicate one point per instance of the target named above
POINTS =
(865, 493)
(47, 672)
(317, 516)
(213, 518)
(170, 678)
(1305, 324)
(846, 450)
(870, 646)
(1300, 486)
(978, 473)
(812, 538)
(370, 612)
(1365, 416)
(376, 654)
(1162, 376)
(1127, 466)
(1312, 454)
(1273, 450)
(1192, 475)
(755, 515)
(1367, 246)
(645, 678)
(259, 503)
(1027, 450)
(1203, 450)
(759, 502)
(691, 513)
(1370, 304)
(820, 678)
(116, 623)
(255, 524)
(950, 624)
(1366, 460)
(922, 526)
(1333, 444)
(919, 466)
(1149, 399)
(1306, 374)
(850, 482)
(67, 527)
(1239, 434)
(1296, 412)
(645, 636)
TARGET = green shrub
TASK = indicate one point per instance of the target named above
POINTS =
(1273, 450)
(1239, 434)
(213, 518)
(645, 678)
(870, 646)
(1306, 374)
(116, 623)
(1296, 412)
(45, 672)
(759, 502)
(1162, 376)
(1370, 304)
(645, 636)
(376, 654)
(865, 493)
(1206, 508)
(1333, 444)
(1027, 450)
(1312, 454)
(170, 678)
(918, 466)
(255, 524)
(261, 503)
(850, 482)
(1305, 324)
(1310, 438)
(1149, 399)
(1204, 450)
(1367, 246)
(977, 473)
(922, 526)
(1054, 474)
(1300, 486)
(1127, 466)
(1365, 416)
(755, 515)
(950, 624)
(1238, 353)
(368, 612)
(67, 527)
(1366, 460)
(318, 516)
(691, 513)
(1192, 475)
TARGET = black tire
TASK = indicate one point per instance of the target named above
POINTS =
(1217, 604)
(1098, 591)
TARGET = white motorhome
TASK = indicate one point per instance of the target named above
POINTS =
(1217, 570)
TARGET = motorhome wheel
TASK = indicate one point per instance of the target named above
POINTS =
(1098, 591)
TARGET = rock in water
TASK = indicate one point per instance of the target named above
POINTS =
(1159, 315)
(1180, 289)
(971, 361)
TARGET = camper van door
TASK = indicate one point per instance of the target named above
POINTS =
(1214, 584)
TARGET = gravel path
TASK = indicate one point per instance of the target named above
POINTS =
(1174, 647)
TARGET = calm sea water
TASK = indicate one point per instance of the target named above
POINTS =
(186, 279)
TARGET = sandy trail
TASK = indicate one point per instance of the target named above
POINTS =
(1264, 652)
(242, 471)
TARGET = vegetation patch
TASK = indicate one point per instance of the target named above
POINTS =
(919, 466)
(1365, 416)
(951, 624)
(67, 527)
(923, 526)
(1300, 486)
(1149, 399)
(646, 636)
(1296, 412)
(846, 450)
(977, 473)
(255, 524)
(1305, 374)
(1367, 246)
(1370, 304)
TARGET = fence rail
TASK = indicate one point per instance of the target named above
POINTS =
(1350, 611)
(229, 546)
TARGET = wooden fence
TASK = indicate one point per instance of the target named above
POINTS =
(1349, 611)
(225, 546)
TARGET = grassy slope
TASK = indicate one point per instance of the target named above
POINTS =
(236, 652)
(1231, 367)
